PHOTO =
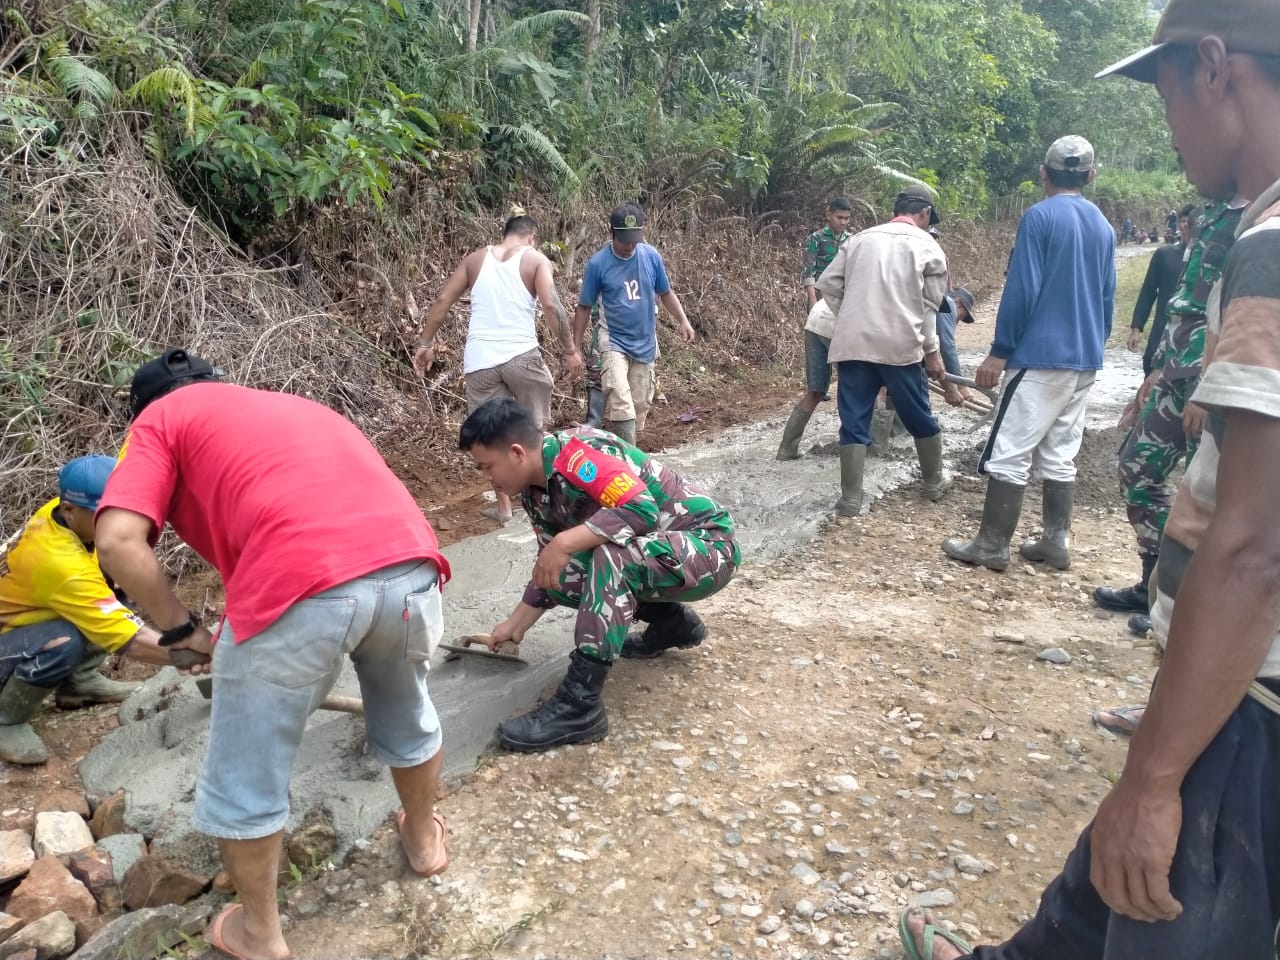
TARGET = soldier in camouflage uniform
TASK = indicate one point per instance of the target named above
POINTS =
(819, 250)
(620, 538)
(1167, 428)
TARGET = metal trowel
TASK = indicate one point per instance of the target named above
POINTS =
(475, 645)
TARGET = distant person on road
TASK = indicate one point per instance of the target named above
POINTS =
(1182, 859)
(502, 357)
(1163, 274)
(1051, 330)
(819, 250)
(324, 555)
(885, 287)
(957, 307)
(621, 538)
(1126, 230)
(627, 280)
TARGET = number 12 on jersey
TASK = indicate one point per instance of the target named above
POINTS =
(633, 289)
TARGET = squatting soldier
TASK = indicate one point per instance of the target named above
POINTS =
(1169, 425)
(620, 537)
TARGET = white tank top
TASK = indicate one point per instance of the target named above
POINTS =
(502, 314)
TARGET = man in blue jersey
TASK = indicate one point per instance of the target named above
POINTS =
(627, 279)
(1054, 319)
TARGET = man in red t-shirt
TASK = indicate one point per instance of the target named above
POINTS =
(323, 553)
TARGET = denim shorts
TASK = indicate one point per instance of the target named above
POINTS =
(26, 654)
(388, 622)
(817, 371)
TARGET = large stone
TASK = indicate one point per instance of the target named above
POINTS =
(59, 833)
(9, 925)
(144, 933)
(63, 800)
(16, 855)
(51, 937)
(92, 867)
(50, 887)
(124, 849)
(108, 816)
(311, 846)
(155, 881)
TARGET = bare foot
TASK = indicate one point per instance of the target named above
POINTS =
(943, 949)
(227, 933)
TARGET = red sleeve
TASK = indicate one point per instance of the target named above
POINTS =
(144, 477)
(608, 480)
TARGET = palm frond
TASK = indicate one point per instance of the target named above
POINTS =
(79, 81)
(171, 83)
(537, 24)
(537, 143)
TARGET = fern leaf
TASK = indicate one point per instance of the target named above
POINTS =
(171, 83)
(537, 143)
(535, 25)
(79, 81)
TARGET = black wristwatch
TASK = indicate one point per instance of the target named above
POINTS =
(180, 632)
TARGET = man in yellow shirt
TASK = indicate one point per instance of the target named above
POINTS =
(59, 618)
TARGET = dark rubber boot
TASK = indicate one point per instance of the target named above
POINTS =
(789, 449)
(1139, 624)
(1054, 545)
(853, 464)
(87, 685)
(1000, 513)
(623, 430)
(671, 626)
(935, 482)
(1128, 599)
(574, 714)
(19, 743)
(595, 407)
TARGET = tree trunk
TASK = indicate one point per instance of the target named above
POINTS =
(589, 47)
(473, 24)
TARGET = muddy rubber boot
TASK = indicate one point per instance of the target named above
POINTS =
(1000, 513)
(19, 702)
(935, 483)
(853, 464)
(671, 626)
(1132, 599)
(881, 428)
(622, 429)
(1054, 545)
(87, 685)
(789, 449)
(595, 407)
(574, 714)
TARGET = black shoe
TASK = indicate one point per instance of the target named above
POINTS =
(1128, 599)
(671, 626)
(574, 713)
(1139, 624)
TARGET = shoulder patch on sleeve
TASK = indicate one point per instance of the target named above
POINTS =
(607, 480)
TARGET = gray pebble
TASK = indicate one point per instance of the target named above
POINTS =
(1054, 655)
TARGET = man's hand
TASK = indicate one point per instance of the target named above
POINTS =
(686, 331)
(1193, 418)
(508, 631)
(989, 373)
(1135, 835)
(573, 366)
(1135, 339)
(422, 358)
(933, 367)
(201, 642)
(551, 562)
(1145, 389)
(953, 396)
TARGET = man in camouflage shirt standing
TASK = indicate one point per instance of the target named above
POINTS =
(819, 250)
(620, 538)
(1168, 427)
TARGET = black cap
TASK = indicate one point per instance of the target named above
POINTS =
(171, 369)
(962, 295)
(918, 191)
(627, 223)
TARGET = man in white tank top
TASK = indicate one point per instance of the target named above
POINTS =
(501, 358)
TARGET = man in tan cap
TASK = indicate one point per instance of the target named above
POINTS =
(1182, 861)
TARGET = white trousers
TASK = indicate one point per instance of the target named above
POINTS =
(1038, 426)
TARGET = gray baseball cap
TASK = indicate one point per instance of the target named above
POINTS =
(1070, 154)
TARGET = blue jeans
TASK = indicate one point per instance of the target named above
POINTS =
(25, 653)
(859, 385)
(265, 688)
(1226, 871)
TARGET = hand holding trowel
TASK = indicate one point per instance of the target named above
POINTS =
(483, 645)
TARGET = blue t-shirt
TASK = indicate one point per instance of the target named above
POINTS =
(1055, 313)
(628, 292)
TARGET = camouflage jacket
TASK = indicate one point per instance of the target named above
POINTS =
(819, 250)
(1181, 353)
(618, 491)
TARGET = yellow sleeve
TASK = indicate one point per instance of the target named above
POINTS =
(89, 604)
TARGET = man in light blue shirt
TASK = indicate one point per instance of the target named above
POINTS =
(1052, 326)
(628, 280)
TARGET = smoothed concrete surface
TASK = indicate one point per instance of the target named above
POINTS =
(156, 753)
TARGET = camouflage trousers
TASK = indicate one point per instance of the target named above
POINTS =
(1151, 452)
(606, 583)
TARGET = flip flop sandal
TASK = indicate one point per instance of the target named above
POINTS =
(492, 513)
(1126, 722)
(213, 936)
(442, 861)
(927, 937)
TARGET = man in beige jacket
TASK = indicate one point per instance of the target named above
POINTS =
(885, 286)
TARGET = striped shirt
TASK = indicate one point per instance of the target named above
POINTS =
(1244, 375)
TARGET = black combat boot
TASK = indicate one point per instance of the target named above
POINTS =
(671, 625)
(1128, 599)
(574, 714)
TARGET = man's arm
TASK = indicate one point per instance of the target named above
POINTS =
(831, 283)
(459, 283)
(674, 307)
(1147, 298)
(545, 286)
(809, 269)
(1021, 290)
